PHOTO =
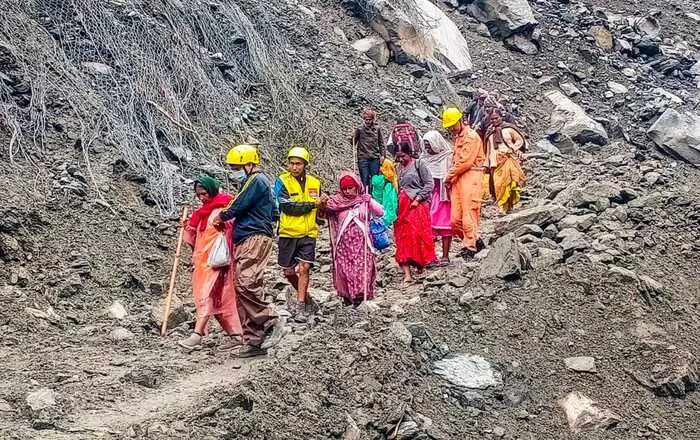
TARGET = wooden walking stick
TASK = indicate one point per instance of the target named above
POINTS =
(173, 274)
(368, 236)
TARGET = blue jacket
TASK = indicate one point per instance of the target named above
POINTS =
(254, 209)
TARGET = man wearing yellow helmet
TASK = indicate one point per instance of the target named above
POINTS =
(299, 196)
(254, 211)
(465, 180)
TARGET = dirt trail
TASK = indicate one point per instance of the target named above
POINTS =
(154, 403)
(146, 404)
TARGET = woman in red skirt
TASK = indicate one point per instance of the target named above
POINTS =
(412, 229)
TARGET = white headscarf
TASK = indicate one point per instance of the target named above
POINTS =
(440, 161)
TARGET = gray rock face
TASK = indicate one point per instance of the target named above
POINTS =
(506, 260)
(539, 215)
(504, 17)
(678, 135)
(571, 120)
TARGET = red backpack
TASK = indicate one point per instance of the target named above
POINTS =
(405, 133)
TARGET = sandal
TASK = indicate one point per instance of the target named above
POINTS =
(443, 262)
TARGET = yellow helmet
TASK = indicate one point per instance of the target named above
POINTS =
(300, 152)
(451, 116)
(243, 154)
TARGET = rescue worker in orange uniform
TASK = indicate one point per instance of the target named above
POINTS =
(465, 181)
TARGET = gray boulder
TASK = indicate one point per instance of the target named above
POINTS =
(572, 240)
(504, 17)
(594, 193)
(678, 135)
(571, 120)
(539, 215)
(375, 48)
(546, 258)
(419, 30)
(521, 43)
(506, 260)
(579, 222)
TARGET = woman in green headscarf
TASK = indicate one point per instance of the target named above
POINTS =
(213, 288)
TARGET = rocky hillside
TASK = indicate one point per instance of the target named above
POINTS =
(586, 298)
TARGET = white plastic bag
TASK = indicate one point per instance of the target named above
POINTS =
(219, 255)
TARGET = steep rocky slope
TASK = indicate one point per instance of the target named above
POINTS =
(604, 267)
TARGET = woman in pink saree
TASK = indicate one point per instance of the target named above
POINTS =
(348, 212)
(213, 288)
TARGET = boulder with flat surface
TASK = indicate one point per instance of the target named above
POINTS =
(506, 259)
(539, 215)
(419, 31)
(571, 120)
(677, 133)
(581, 364)
(504, 17)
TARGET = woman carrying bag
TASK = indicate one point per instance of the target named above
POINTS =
(212, 277)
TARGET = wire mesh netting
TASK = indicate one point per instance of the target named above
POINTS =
(161, 79)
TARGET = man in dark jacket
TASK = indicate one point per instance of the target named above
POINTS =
(254, 210)
(369, 145)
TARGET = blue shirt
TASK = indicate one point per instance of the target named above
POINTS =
(254, 209)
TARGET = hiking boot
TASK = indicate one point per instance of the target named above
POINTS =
(194, 342)
(249, 351)
(480, 245)
(232, 343)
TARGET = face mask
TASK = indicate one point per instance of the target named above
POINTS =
(239, 176)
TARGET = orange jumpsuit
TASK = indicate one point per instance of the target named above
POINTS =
(465, 178)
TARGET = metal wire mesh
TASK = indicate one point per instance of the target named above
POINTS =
(161, 79)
